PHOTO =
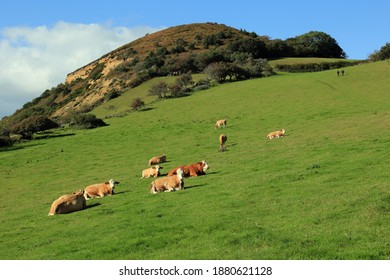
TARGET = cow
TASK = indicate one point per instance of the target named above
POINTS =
(168, 183)
(220, 123)
(222, 141)
(157, 160)
(194, 169)
(276, 134)
(100, 190)
(68, 203)
(151, 171)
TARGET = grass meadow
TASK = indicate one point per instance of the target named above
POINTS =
(321, 192)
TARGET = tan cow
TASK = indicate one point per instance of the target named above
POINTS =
(68, 203)
(222, 141)
(220, 123)
(153, 171)
(168, 183)
(194, 169)
(157, 160)
(276, 134)
(100, 190)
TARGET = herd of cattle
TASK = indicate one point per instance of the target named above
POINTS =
(173, 181)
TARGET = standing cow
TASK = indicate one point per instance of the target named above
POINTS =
(222, 141)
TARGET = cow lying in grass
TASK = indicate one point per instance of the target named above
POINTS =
(194, 169)
(276, 134)
(220, 123)
(157, 160)
(100, 190)
(68, 203)
(153, 171)
(168, 183)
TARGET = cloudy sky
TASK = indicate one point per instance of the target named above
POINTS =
(41, 41)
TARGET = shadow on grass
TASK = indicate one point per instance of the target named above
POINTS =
(49, 136)
(121, 192)
(193, 186)
(145, 109)
(93, 205)
(213, 172)
(15, 148)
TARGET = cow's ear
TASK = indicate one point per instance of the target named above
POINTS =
(106, 183)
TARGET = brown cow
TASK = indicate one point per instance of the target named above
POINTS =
(152, 171)
(194, 169)
(168, 183)
(100, 190)
(68, 203)
(276, 134)
(157, 160)
(220, 123)
(222, 141)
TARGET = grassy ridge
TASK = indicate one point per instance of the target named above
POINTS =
(321, 192)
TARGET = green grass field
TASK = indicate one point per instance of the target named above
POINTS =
(320, 192)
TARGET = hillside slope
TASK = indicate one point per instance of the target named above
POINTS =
(320, 192)
(173, 51)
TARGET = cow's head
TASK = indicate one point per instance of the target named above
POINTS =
(157, 167)
(180, 173)
(79, 192)
(205, 166)
(112, 184)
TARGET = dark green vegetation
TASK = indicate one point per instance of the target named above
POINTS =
(382, 54)
(321, 192)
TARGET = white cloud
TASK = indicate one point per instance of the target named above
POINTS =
(34, 59)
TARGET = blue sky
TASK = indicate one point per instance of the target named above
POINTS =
(42, 41)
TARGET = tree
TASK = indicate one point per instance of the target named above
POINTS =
(315, 44)
(28, 126)
(185, 80)
(382, 54)
(217, 71)
(160, 89)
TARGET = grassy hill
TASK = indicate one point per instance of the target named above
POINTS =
(321, 192)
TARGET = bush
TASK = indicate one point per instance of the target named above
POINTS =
(86, 121)
(6, 141)
(32, 125)
(160, 90)
(111, 95)
(137, 104)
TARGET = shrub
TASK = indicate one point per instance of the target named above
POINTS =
(111, 95)
(86, 121)
(160, 89)
(32, 125)
(96, 72)
(137, 104)
(6, 141)
(216, 71)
